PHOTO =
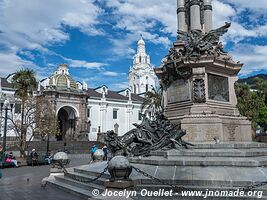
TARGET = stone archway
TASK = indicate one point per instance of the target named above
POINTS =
(67, 118)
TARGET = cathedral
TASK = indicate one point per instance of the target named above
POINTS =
(84, 113)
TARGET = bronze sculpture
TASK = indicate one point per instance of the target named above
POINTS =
(150, 135)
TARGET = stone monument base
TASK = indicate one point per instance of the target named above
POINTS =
(206, 166)
(206, 127)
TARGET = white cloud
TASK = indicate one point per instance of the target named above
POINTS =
(41, 22)
(119, 86)
(258, 6)
(253, 57)
(11, 63)
(142, 17)
(84, 64)
(109, 73)
(37, 24)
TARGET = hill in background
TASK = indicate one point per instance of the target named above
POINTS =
(249, 80)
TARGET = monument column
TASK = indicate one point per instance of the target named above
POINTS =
(207, 15)
(181, 16)
(195, 23)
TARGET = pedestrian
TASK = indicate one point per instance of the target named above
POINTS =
(10, 158)
(105, 150)
(93, 150)
(34, 157)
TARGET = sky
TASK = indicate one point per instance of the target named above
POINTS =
(97, 38)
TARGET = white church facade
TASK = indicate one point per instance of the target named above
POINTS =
(85, 112)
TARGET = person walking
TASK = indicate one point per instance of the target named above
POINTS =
(93, 150)
(105, 150)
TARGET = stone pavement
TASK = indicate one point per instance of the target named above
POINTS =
(24, 183)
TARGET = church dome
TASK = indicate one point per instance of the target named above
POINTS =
(62, 80)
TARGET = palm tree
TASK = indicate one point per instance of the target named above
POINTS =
(24, 83)
(153, 101)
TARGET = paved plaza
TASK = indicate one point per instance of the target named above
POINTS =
(24, 183)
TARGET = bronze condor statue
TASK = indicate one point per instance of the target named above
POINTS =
(150, 135)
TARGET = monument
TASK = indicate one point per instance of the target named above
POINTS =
(198, 78)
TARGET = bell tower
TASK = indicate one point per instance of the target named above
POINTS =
(142, 77)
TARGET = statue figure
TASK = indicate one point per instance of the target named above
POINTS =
(150, 135)
(197, 44)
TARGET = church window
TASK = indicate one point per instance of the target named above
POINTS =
(116, 128)
(146, 87)
(134, 89)
(140, 59)
(115, 114)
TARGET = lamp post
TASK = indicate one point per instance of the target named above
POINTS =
(6, 106)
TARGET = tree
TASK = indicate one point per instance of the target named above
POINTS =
(153, 101)
(39, 120)
(252, 103)
(24, 83)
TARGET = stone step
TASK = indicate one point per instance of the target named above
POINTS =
(80, 192)
(91, 173)
(204, 176)
(95, 169)
(213, 152)
(202, 161)
(229, 145)
(86, 186)
(84, 178)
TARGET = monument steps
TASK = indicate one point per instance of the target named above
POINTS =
(229, 145)
(69, 188)
(91, 173)
(86, 186)
(203, 161)
(201, 152)
(84, 178)
(187, 168)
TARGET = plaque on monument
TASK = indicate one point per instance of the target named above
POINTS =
(218, 87)
(178, 91)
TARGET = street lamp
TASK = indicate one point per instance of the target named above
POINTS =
(6, 106)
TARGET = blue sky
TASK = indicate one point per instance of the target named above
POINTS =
(97, 38)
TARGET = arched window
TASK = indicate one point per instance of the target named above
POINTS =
(146, 87)
(140, 59)
(134, 89)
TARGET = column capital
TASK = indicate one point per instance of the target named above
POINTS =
(181, 9)
(207, 7)
(194, 2)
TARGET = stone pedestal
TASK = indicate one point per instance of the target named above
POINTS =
(199, 95)
(203, 128)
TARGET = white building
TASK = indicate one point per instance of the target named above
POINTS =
(142, 77)
(84, 112)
